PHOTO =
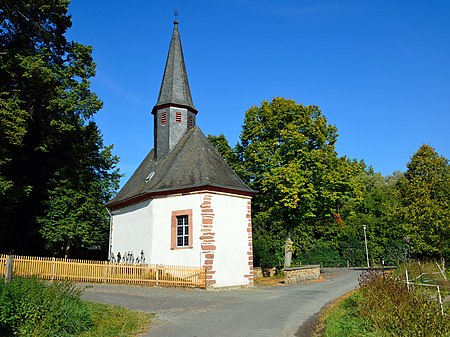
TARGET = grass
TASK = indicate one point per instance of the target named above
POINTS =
(112, 321)
(341, 318)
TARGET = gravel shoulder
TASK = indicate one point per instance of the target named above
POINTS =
(263, 311)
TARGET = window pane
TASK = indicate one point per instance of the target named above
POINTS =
(186, 241)
(180, 241)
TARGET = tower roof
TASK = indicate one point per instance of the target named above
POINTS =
(175, 86)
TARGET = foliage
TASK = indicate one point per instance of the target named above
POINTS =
(29, 307)
(268, 242)
(384, 307)
(353, 251)
(425, 201)
(227, 152)
(321, 201)
(377, 212)
(323, 253)
(391, 308)
(112, 321)
(269, 252)
(287, 154)
(53, 164)
(344, 320)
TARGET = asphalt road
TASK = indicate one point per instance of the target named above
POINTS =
(264, 311)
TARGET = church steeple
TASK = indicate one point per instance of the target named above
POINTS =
(175, 86)
(174, 112)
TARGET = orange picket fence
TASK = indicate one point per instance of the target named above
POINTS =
(105, 272)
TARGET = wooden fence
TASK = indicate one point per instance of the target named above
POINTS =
(105, 272)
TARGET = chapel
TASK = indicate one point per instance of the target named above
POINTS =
(184, 205)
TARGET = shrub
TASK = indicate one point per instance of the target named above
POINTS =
(387, 303)
(268, 253)
(353, 251)
(32, 308)
(324, 254)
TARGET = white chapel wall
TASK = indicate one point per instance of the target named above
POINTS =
(161, 248)
(132, 230)
(147, 226)
(230, 226)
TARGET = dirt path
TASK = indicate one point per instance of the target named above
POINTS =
(265, 311)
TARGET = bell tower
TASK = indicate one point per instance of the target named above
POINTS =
(174, 113)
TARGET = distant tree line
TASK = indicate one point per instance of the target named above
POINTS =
(311, 204)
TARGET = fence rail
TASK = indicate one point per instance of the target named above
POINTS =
(105, 272)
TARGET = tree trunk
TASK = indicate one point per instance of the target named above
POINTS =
(288, 247)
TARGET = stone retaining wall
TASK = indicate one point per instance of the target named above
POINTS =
(265, 272)
(301, 274)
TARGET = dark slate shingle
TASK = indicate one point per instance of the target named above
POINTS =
(175, 85)
(193, 163)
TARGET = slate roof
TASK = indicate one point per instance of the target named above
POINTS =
(175, 86)
(193, 164)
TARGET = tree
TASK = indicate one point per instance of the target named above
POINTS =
(55, 171)
(288, 155)
(376, 211)
(227, 152)
(425, 202)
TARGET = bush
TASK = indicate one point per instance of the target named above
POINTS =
(353, 251)
(268, 253)
(32, 308)
(387, 303)
(323, 254)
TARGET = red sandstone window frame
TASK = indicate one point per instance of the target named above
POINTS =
(173, 236)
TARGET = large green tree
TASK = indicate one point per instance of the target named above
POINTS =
(55, 172)
(425, 203)
(288, 155)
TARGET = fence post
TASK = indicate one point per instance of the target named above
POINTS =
(442, 270)
(440, 300)
(407, 279)
(157, 274)
(105, 271)
(53, 268)
(9, 269)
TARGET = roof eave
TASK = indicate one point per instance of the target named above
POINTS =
(176, 105)
(163, 192)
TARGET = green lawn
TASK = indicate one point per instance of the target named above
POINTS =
(112, 321)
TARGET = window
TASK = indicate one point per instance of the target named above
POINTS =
(150, 176)
(191, 121)
(163, 118)
(178, 117)
(181, 229)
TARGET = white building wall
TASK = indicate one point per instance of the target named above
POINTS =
(161, 247)
(221, 237)
(132, 230)
(231, 255)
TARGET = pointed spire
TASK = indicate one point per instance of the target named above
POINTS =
(175, 86)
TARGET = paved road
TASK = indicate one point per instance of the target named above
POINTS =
(265, 311)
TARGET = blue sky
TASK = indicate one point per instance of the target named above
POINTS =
(379, 70)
